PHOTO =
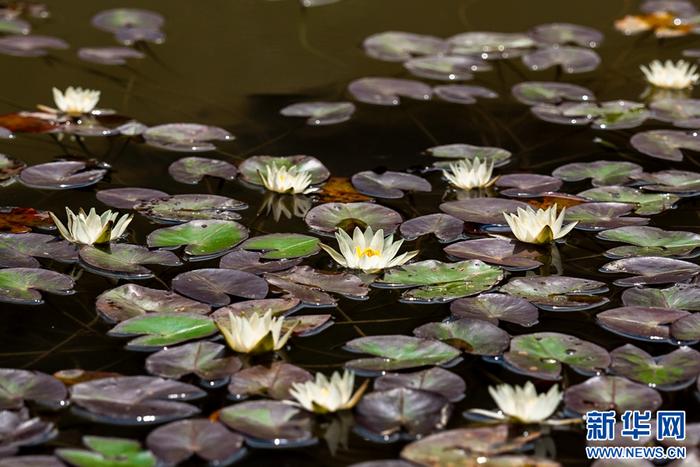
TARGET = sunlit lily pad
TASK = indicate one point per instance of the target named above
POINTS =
(192, 170)
(500, 157)
(490, 45)
(108, 55)
(566, 33)
(253, 166)
(679, 296)
(320, 113)
(648, 270)
(270, 423)
(19, 429)
(436, 379)
(671, 371)
(21, 45)
(331, 216)
(396, 352)
(201, 239)
(274, 381)
(558, 293)
(550, 92)
(445, 227)
(482, 210)
(203, 359)
(106, 452)
(446, 67)
(601, 216)
(158, 330)
(493, 307)
(23, 285)
(127, 198)
(62, 175)
(213, 286)
(9, 168)
(645, 203)
(21, 220)
(473, 336)
(541, 355)
(527, 184)
(610, 115)
(650, 241)
(20, 250)
(683, 113)
(183, 208)
(251, 261)
(397, 46)
(680, 182)
(135, 400)
(307, 284)
(283, 245)
(117, 19)
(130, 300)
(570, 59)
(503, 252)
(124, 260)
(665, 144)
(388, 91)
(185, 137)
(384, 415)
(207, 440)
(18, 386)
(388, 184)
(601, 173)
(610, 393)
(645, 323)
(462, 93)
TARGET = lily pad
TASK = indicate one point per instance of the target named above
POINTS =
(527, 184)
(566, 33)
(310, 281)
(130, 300)
(134, 400)
(645, 203)
(649, 270)
(19, 250)
(671, 371)
(124, 260)
(396, 352)
(601, 216)
(610, 115)
(645, 323)
(510, 254)
(19, 429)
(550, 92)
(185, 137)
(397, 46)
(127, 198)
(203, 359)
(445, 227)
(250, 261)
(558, 293)
(283, 245)
(192, 170)
(108, 55)
(388, 91)
(482, 210)
(679, 296)
(650, 241)
(473, 336)
(541, 355)
(680, 182)
(9, 168)
(462, 93)
(385, 415)
(388, 184)
(601, 173)
(108, 452)
(446, 67)
(274, 381)
(436, 380)
(62, 175)
(213, 286)
(610, 393)
(23, 285)
(570, 59)
(116, 19)
(202, 239)
(31, 45)
(687, 329)
(158, 330)
(331, 216)
(253, 166)
(209, 441)
(493, 307)
(321, 113)
(14, 26)
(683, 113)
(498, 156)
(490, 45)
(18, 386)
(183, 208)
(270, 423)
(665, 144)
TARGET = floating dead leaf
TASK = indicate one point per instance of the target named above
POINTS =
(18, 123)
(21, 220)
(340, 190)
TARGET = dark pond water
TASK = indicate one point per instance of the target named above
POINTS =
(235, 64)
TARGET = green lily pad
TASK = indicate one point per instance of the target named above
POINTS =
(541, 355)
(203, 359)
(500, 157)
(108, 452)
(650, 241)
(645, 203)
(201, 238)
(192, 170)
(396, 352)
(123, 260)
(183, 208)
(22, 285)
(129, 300)
(473, 336)
(679, 296)
(329, 217)
(159, 330)
(558, 293)
(601, 173)
(283, 245)
(672, 371)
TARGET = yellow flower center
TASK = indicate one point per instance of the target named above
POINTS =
(368, 252)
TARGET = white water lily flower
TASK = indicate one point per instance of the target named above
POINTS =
(282, 179)
(524, 404)
(368, 251)
(541, 226)
(324, 395)
(90, 229)
(76, 101)
(669, 75)
(469, 174)
(255, 333)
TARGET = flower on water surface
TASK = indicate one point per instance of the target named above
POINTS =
(541, 226)
(522, 403)
(282, 179)
(368, 251)
(255, 333)
(469, 174)
(324, 394)
(89, 229)
(669, 75)
(76, 101)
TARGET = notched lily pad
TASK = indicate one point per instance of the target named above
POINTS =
(679, 296)
(388, 91)
(204, 359)
(202, 239)
(185, 137)
(462, 93)
(62, 175)
(550, 92)
(671, 371)
(388, 184)
(445, 227)
(320, 113)
(19, 386)
(331, 216)
(482, 210)
(510, 254)
(644, 323)
(398, 46)
(558, 293)
(527, 184)
(665, 144)
(309, 285)
(490, 45)
(650, 241)
(436, 379)
(274, 381)
(649, 270)
(123, 260)
(601, 173)
(493, 307)
(213, 286)
(283, 245)
(446, 67)
(251, 261)
(601, 216)
(127, 198)
(644, 203)
(683, 113)
(603, 393)
(566, 33)
(23, 286)
(192, 170)
(20, 250)
(680, 182)
(158, 330)
(473, 336)
(498, 156)
(570, 59)
(130, 300)
(610, 115)
(183, 208)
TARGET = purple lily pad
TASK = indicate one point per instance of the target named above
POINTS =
(490, 45)
(203, 359)
(649, 270)
(558, 293)
(610, 115)
(123, 260)
(134, 400)
(679, 296)
(331, 216)
(127, 198)
(388, 184)
(679, 182)
(436, 379)
(557, 114)
(31, 461)
(498, 156)
(644, 203)
(209, 441)
(309, 285)
(566, 33)
(610, 393)
(62, 175)
(650, 241)
(388, 91)
(482, 210)
(132, 35)
(251, 261)
(683, 113)
(18, 430)
(445, 227)
(669, 372)
(462, 93)
(321, 113)
(274, 381)
(601, 173)
(601, 216)
(503, 252)
(18, 386)
(446, 67)
(185, 137)
(116, 19)
(687, 329)
(493, 307)
(645, 323)
(20, 250)
(192, 170)
(665, 144)
(30, 45)
(570, 59)
(23, 285)
(251, 167)
(550, 92)
(108, 55)
(213, 286)
(397, 46)
(473, 336)
(525, 184)
(183, 208)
